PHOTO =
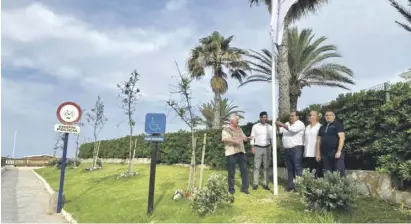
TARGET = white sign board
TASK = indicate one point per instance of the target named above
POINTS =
(72, 129)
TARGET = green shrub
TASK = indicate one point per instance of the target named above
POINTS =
(331, 193)
(214, 193)
(58, 162)
(53, 162)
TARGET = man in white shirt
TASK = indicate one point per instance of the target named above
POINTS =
(293, 135)
(260, 146)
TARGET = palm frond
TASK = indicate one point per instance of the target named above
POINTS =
(307, 60)
(227, 108)
(406, 13)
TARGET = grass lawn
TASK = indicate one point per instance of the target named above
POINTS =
(97, 197)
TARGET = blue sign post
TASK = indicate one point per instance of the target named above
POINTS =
(155, 127)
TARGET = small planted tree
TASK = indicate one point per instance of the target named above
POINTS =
(81, 124)
(59, 144)
(129, 94)
(97, 120)
(183, 108)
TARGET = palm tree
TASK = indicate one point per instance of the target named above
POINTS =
(406, 13)
(215, 52)
(307, 58)
(227, 108)
(298, 10)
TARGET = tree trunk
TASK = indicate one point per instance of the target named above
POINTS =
(134, 151)
(98, 149)
(217, 113)
(192, 163)
(293, 102)
(130, 150)
(284, 75)
(95, 152)
(75, 155)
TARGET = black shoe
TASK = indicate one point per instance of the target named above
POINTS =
(232, 192)
(265, 187)
(255, 187)
(245, 192)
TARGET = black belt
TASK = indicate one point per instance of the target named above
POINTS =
(262, 146)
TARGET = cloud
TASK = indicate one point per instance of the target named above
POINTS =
(174, 5)
(70, 49)
(73, 51)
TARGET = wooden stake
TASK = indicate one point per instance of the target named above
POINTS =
(134, 152)
(202, 161)
(98, 149)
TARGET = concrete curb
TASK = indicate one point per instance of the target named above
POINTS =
(4, 168)
(65, 214)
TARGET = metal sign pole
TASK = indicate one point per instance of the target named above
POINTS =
(62, 174)
(153, 166)
(155, 127)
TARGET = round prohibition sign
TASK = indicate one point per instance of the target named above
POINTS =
(69, 113)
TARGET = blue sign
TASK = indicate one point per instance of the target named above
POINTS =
(155, 123)
(153, 138)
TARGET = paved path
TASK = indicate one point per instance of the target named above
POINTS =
(24, 198)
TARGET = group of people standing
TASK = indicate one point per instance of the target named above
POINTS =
(321, 145)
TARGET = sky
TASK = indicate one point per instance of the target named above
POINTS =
(55, 51)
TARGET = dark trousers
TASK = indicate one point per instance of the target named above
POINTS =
(332, 164)
(312, 165)
(240, 159)
(293, 157)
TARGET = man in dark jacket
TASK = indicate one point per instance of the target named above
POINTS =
(330, 144)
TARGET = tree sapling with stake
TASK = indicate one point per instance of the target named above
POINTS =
(97, 120)
(184, 110)
(129, 94)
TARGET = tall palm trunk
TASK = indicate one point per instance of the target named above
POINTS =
(285, 75)
(217, 111)
(293, 102)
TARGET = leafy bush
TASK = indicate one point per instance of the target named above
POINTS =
(330, 193)
(57, 162)
(52, 162)
(214, 193)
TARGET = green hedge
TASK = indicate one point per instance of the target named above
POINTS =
(176, 148)
(377, 135)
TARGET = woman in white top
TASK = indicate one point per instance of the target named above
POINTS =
(310, 140)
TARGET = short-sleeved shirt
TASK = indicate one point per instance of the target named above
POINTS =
(230, 148)
(329, 137)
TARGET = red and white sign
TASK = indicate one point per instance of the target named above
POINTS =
(69, 113)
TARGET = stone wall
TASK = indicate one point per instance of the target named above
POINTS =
(134, 161)
(118, 161)
(371, 183)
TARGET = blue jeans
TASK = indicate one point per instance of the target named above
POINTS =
(293, 162)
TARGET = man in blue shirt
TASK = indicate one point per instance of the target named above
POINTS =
(330, 144)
